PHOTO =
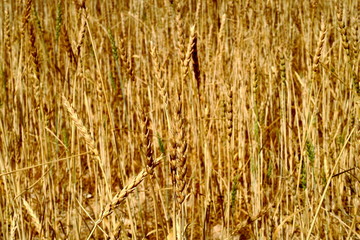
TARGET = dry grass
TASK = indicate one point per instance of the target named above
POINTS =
(159, 119)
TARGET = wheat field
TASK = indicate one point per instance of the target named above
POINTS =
(162, 119)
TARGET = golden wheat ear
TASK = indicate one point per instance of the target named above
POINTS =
(34, 217)
(81, 127)
(124, 193)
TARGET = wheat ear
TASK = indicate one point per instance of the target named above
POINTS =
(26, 16)
(85, 134)
(124, 193)
(81, 127)
(34, 217)
(195, 59)
(82, 31)
(319, 47)
(126, 60)
(7, 35)
(342, 28)
(147, 143)
(13, 226)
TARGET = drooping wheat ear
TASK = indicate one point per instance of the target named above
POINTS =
(34, 217)
(319, 47)
(342, 28)
(81, 127)
(81, 36)
(126, 61)
(26, 16)
(124, 193)
(195, 60)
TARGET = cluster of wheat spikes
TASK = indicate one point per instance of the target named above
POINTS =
(161, 119)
